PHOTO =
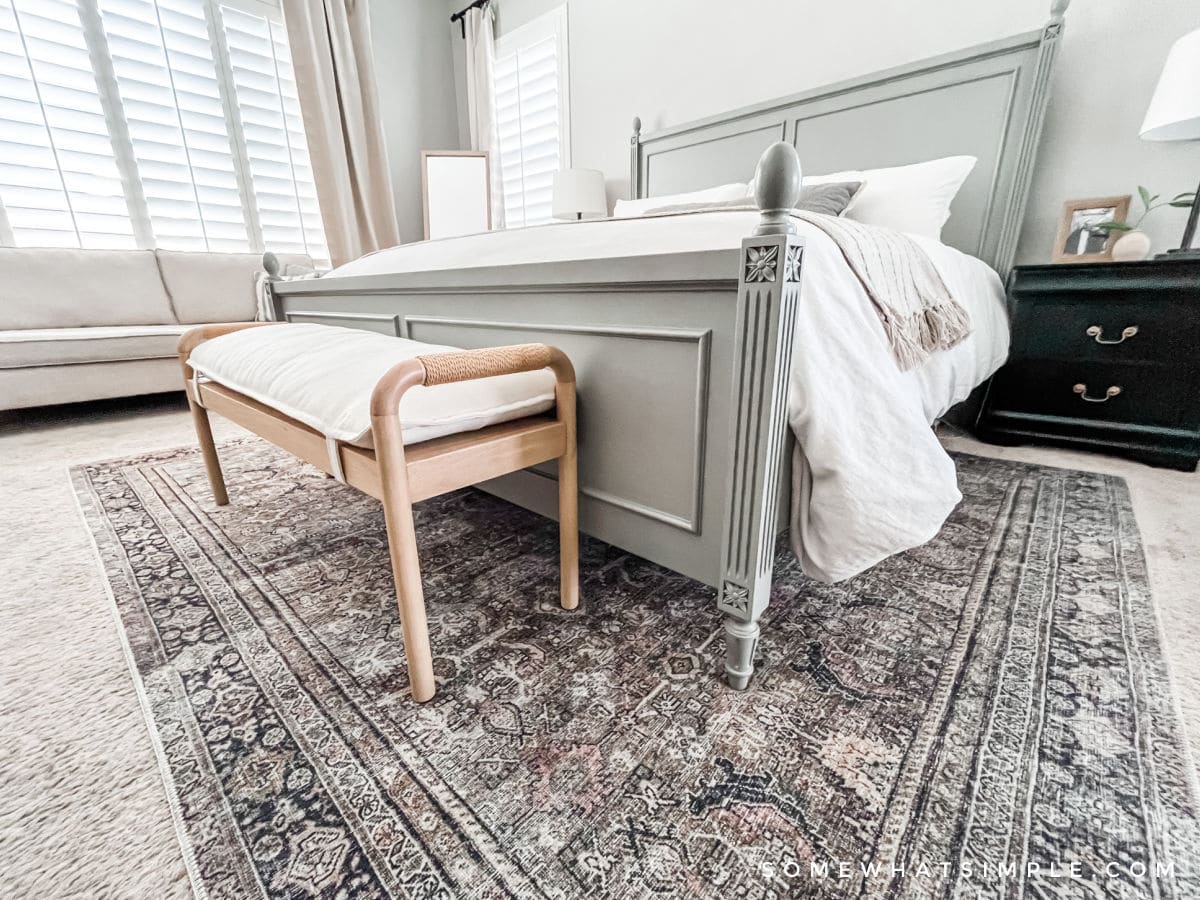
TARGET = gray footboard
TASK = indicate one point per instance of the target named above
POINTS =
(682, 364)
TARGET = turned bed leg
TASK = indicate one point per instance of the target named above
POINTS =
(768, 296)
(741, 641)
(402, 546)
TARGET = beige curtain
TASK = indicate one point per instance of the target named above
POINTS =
(331, 54)
(481, 98)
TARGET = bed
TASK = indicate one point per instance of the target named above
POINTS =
(686, 345)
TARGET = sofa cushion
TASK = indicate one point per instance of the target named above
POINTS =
(106, 343)
(58, 288)
(210, 287)
(323, 376)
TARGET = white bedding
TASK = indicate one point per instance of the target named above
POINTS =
(869, 477)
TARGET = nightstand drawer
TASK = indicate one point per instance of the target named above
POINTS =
(1107, 392)
(1111, 329)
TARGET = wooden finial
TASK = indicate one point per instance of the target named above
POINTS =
(271, 264)
(637, 126)
(777, 188)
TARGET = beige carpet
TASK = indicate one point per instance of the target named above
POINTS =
(82, 810)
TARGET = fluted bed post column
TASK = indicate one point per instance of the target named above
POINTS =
(635, 149)
(768, 296)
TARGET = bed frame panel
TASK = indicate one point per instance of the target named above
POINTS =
(659, 328)
(682, 360)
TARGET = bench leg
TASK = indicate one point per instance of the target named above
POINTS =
(208, 449)
(402, 545)
(568, 502)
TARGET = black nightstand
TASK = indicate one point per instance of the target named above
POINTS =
(1104, 357)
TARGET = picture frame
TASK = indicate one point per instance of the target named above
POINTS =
(1076, 242)
(456, 192)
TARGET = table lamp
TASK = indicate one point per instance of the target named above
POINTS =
(1174, 115)
(579, 194)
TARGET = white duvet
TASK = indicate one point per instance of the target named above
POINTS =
(869, 477)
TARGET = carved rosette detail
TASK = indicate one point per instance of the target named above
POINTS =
(761, 263)
(791, 269)
(735, 598)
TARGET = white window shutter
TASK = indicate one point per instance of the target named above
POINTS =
(152, 123)
(273, 130)
(167, 79)
(58, 180)
(530, 118)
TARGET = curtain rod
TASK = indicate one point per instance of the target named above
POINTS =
(461, 16)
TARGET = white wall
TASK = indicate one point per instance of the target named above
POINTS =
(671, 61)
(415, 75)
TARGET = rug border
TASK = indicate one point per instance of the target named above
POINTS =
(77, 479)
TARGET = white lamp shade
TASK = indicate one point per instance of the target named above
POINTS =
(579, 194)
(1174, 113)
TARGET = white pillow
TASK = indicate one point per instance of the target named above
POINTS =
(914, 199)
(629, 209)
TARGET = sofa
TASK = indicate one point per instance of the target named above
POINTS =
(89, 324)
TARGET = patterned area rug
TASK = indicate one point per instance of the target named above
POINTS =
(985, 716)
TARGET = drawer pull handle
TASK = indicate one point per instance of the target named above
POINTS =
(1097, 332)
(1081, 390)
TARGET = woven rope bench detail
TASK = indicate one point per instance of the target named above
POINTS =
(400, 476)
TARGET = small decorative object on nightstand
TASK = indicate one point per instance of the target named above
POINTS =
(1104, 357)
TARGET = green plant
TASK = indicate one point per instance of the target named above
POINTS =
(1149, 204)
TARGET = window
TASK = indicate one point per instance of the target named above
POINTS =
(152, 123)
(532, 116)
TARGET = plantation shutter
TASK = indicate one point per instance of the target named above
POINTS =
(163, 62)
(269, 110)
(152, 123)
(530, 120)
(58, 179)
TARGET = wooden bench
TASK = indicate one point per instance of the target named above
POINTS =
(399, 476)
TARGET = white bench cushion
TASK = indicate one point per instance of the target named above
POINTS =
(64, 346)
(323, 376)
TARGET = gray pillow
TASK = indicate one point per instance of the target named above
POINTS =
(828, 199)
(824, 199)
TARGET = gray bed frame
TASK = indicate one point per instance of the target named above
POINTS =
(683, 359)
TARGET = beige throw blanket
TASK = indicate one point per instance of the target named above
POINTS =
(919, 315)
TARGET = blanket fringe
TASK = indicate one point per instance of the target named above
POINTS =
(916, 337)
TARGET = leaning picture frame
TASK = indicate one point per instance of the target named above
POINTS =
(456, 192)
(1079, 240)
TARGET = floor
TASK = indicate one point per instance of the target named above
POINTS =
(79, 785)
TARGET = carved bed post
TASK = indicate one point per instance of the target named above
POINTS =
(768, 295)
(634, 149)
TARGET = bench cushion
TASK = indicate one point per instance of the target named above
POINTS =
(323, 376)
(69, 346)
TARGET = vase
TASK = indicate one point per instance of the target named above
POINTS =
(1131, 246)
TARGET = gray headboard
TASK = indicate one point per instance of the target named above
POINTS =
(987, 101)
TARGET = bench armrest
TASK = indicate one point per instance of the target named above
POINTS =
(466, 365)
